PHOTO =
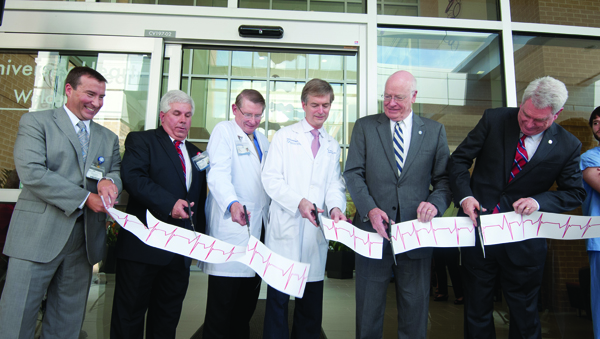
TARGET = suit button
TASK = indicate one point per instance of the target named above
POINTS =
(394, 208)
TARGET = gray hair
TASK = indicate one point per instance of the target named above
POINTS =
(546, 92)
(175, 96)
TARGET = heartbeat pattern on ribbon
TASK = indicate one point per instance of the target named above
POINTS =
(285, 275)
(439, 232)
(511, 227)
(367, 244)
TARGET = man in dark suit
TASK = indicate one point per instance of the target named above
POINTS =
(520, 153)
(392, 161)
(67, 164)
(159, 176)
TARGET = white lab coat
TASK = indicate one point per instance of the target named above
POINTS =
(290, 174)
(233, 176)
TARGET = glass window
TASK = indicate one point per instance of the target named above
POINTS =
(279, 76)
(573, 12)
(472, 9)
(207, 3)
(37, 83)
(340, 6)
(576, 62)
(459, 74)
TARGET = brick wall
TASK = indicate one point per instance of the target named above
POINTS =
(560, 12)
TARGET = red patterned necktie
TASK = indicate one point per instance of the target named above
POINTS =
(521, 159)
(177, 145)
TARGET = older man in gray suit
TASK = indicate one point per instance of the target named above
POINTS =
(68, 165)
(392, 161)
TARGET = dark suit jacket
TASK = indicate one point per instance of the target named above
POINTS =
(372, 178)
(493, 142)
(152, 175)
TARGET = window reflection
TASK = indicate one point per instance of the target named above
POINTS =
(458, 74)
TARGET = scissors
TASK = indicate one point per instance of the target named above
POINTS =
(247, 220)
(389, 233)
(315, 213)
(189, 211)
(479, 231)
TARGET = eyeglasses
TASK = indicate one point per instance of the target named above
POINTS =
(397, 99)
(251, 116)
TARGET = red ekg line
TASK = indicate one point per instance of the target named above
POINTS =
(229, 253)
(352, 234)
(284, 272)
(195, 240)
(540, 223)
(414, 232)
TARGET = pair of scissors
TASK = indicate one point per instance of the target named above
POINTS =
(389, 233)
(315, 212)
(247, 220)
(480, 231)
(189, 211)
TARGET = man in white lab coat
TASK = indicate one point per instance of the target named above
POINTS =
(237, 153)
(303, 169)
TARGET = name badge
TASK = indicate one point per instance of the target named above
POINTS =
(201, 161)
(242, 149)
(95, 173)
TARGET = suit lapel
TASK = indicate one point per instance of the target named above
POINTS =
(303, 140)
(66, 126)
(94, 147)
(545, 147)
(416, 140)
(511, 138)
(385, 135)
(169, 147)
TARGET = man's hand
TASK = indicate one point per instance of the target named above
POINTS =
(337, 215)
(469, 206)
(108, 192)
(426, 211)
(377, 217)
(178, 211)
(525, 206)
(94, 202)
(237, 213)
(306, 207)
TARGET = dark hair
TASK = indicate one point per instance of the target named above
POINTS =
(317, 87)
(251, 95)
(595, 113)
(74, 76)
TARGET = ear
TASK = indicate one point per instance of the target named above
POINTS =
(414, 97)
(557, 113)
(161, 115)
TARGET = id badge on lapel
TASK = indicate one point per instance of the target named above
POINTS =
(96, 172)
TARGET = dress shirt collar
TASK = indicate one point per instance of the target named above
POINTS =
(306, 127)
(407, 121)
(74, 120)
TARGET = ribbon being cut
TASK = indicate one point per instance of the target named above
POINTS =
(285, 275)
(496, 228)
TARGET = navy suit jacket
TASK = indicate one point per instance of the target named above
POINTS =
(152, 175)
(493, 142)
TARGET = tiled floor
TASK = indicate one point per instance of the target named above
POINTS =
(445, 318)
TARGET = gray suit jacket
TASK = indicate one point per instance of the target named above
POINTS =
(372, 178)
(50, 165)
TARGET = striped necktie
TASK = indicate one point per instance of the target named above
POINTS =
(84, 139)
(521, 159)
(399, 147)
(181, 158)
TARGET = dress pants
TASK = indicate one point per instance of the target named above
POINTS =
(230, 305)
(308, 313)
(521, 286)
(140, 287)
(448, 257)
(66, 281)
(412, 279)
